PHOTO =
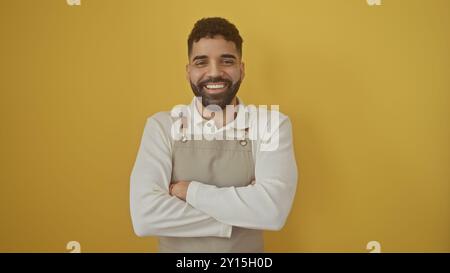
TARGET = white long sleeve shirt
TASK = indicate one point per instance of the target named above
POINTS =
(210, 210)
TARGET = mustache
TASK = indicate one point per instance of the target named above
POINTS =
(216, 79)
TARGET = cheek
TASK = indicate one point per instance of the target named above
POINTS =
(194, 76)
(235, 74)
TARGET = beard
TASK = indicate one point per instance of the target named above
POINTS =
(221, 99)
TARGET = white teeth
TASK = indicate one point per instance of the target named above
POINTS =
(215, 86)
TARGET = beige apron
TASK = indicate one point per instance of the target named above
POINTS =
(222, 163)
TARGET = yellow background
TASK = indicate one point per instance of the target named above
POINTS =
(367, 89)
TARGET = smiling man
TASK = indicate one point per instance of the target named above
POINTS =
(210, 194)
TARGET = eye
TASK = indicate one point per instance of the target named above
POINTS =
(200, 63)
(228, 61)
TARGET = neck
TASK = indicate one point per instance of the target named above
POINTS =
(221, 118)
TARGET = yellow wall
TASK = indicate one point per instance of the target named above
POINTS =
(367, 89)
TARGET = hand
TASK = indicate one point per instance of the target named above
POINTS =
(179, 189)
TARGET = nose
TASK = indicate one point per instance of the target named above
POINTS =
(214, 70)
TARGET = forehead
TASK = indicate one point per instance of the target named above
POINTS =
(213, 47)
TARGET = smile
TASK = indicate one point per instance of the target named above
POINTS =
(215, 87)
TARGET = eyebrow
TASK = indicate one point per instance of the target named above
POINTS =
(228, 56)
(202, 57)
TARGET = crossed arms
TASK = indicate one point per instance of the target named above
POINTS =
(208, 210)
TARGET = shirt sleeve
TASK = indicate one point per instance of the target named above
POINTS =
(264, 205)
(153, 210)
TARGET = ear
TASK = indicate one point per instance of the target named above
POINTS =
(187, 72)
(242, 70)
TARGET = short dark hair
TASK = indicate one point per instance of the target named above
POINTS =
(212, 26)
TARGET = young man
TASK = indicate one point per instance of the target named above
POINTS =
(197, 190)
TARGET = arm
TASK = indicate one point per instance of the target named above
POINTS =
(153, 210)
(264, 205)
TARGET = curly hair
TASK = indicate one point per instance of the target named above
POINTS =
(212, 26)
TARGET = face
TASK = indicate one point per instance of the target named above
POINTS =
(215, 71)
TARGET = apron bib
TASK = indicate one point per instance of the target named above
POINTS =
(222, 163)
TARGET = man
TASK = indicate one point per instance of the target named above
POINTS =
(210, 194)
